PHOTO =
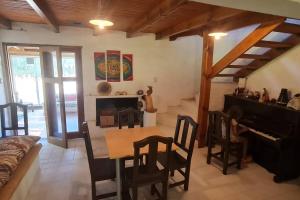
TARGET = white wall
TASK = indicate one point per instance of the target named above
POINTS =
(167, 66)
(283, 72)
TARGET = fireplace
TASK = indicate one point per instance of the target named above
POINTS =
(107, 109)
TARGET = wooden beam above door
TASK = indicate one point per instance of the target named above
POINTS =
(5, 23)
(42, 9)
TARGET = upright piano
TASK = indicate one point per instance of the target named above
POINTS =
(274, 135)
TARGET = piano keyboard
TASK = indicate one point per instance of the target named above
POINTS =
(267, 136)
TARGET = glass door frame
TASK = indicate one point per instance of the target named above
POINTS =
(79, 86)
(79, 79)
(56, 134)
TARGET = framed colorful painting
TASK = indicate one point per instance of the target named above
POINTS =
(113, 66)
(100, 68)
(127, 67)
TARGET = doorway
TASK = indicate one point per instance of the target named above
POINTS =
(26, 85)
(48, 79)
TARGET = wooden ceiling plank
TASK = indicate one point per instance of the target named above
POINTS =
(166, 7)
(272, 44)
(41, 8)
(211, 15)
(288, 28)
(258, 34)
(5, 23)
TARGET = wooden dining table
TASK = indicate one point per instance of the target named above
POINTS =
(120, 145)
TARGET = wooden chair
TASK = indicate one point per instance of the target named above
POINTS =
(129, 117)
(218, 123)
(12, 109)
(150, 173)
(100, 168)
(179, 162)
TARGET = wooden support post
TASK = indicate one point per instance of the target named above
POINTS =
(207, 62)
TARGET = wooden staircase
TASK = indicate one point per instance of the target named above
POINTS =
(256, 39)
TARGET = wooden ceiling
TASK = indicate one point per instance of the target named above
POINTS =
(165, 18)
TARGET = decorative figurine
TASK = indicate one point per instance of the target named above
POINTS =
(148, 100)
(265, 96)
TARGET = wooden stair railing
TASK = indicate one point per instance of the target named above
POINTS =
(255, 39)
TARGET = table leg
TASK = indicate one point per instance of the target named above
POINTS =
(119, 184)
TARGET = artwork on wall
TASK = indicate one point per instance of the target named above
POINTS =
(100, 67)
(127, 67)
(113, 66)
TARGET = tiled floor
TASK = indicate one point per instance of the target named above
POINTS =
(64, 175)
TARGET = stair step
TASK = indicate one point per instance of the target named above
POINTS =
(288, 28)
(189, 106)
(272, 44)
(256, 57)
(243, 67)
(225, 75)
(167, 119)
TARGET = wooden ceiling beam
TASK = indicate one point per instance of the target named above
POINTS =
(210, 16)
(197, 31)
(5, 23)
(42, 9)
(272, 44)
(258, 34)
(288, 28)
(242, 20)
(163, 9)
(229, 24)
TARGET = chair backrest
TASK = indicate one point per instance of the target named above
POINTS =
(180, 138)
(11, 109)
(88, 145)
(219, 126)
(129, 116)
(152, 143)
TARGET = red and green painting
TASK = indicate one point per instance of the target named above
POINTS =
(100, 68)
(113, 66)
(127, 67)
